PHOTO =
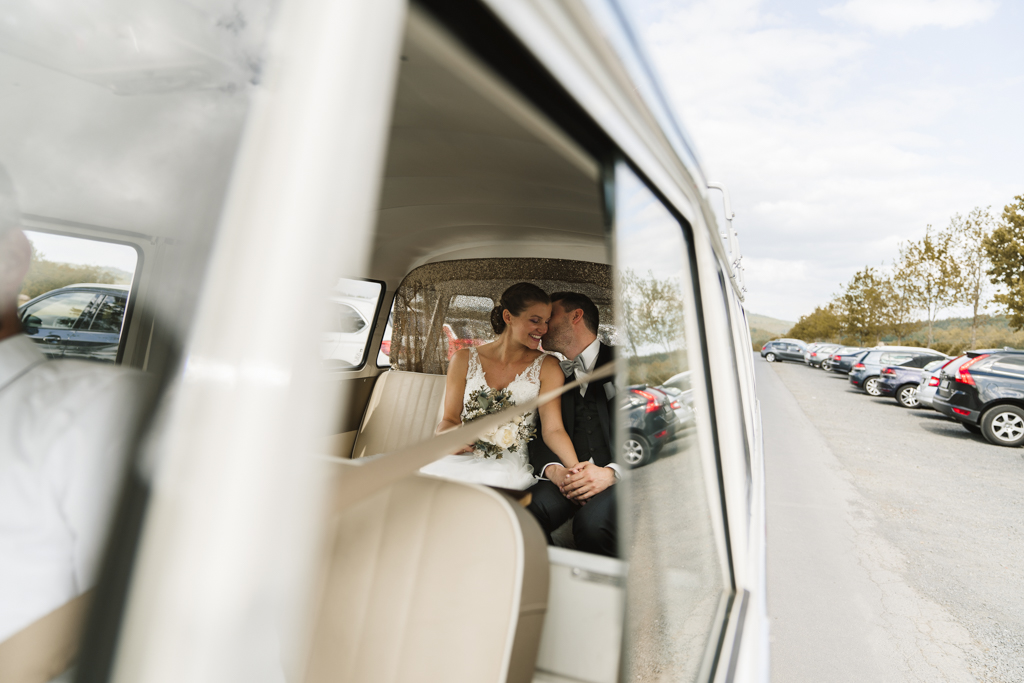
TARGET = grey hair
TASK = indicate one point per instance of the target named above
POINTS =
(10, 215)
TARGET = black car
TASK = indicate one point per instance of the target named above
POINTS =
(784, 349)
(78, 321)
(652, 422)
(902, 381)
(984, 391)
(843, 359)
(866, 371)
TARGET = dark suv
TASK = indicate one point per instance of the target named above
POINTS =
(652, 422)
(985, 393)
(784, 349)
(77, 321)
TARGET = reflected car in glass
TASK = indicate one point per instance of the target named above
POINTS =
(81, 321)
(819, 354)
(652, 422)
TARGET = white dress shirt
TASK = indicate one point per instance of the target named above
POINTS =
(64, 428)
(588, 357)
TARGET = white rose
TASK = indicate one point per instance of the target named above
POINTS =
(506, 435)
(489, 437)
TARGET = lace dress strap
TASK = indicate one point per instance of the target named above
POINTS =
(474, 363)
(532, 373)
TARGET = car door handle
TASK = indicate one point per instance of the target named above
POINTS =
(52, 339)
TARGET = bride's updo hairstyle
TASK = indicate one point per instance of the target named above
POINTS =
(515, 300)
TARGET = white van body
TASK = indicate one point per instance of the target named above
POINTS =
(257, 153)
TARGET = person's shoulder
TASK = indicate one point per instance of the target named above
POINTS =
(459, 360)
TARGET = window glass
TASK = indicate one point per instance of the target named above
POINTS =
(383, 356)
(353, 305)
(895, 358)
(57, 312)
(676, 578)
(109, 315)
(1010, 364)
(467, 322)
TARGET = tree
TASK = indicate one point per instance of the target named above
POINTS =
(899, 292)
(654, 308)
(969, 238)
(862, 307)
(1005, 249)
(45, 275)
(931, 263)
(821, 325)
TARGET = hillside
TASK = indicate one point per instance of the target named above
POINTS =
(773, 325)
(763, 328)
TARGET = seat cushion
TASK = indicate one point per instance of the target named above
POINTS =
(404, 409)
(432, 580)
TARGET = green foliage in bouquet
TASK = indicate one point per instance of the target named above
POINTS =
(509, 436)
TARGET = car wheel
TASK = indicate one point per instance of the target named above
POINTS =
(826, 365)
(871, 386)
(973, 429)
(636, 451)
(770, 357)
(1004, 425)
(907, 396)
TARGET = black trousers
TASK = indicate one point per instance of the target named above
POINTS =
(594, 524)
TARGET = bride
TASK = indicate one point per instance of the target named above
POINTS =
(514, 362)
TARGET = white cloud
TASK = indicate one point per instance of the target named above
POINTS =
(831, 154)
(901, 16)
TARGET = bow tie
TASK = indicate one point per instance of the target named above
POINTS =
(569, 367)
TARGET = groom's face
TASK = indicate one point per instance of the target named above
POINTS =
(559, 334)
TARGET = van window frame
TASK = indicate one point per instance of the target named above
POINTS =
(133, 291)
(371, 323)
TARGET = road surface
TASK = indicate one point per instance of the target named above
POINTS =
(895, 538)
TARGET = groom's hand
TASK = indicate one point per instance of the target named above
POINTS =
(585, 481)
(557, 474)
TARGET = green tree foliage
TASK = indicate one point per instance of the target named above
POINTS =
(969, 237)
(45, 275)
(654, 307)
(1005, 249)
(821, 325)
(899, 296)
(932, 265)
(862, 306)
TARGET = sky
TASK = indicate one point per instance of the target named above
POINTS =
(84, 252)
(842, 128)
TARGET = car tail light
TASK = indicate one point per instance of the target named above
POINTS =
(933, 381)
(889, 372)
(661, 434)
(948, 362)
(961, 411)
(963, 376)
(652, 402)
(813, 354)
(675, 405)
(858, 366)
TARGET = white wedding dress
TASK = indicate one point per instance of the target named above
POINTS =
(512, 470)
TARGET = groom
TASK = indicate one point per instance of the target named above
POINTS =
(586, 492)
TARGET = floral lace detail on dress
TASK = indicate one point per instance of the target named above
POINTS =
(524, 387)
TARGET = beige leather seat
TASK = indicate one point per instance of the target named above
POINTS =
(404, 409)
(432, 581)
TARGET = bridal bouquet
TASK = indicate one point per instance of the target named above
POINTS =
(509, 436)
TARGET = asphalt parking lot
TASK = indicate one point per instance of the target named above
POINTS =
(895, 538)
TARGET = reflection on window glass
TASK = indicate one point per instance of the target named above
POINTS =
(74, 298)
(676, 581)
(353, 305)
(384, 355)
(467, 322)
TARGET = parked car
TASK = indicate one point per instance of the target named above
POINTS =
(652, 423)
(78, 321)
(930, 382)
(816, 356)
(784, 349)
(902, 381)
(845, 358)
(681, 382)
(680, 402)
(985, 393)
(865, 372)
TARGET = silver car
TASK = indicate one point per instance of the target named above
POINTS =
(930, 382)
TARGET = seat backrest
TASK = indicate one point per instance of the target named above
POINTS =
(404, 409)
(432, 580)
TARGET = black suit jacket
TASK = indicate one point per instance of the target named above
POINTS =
(540, 454)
